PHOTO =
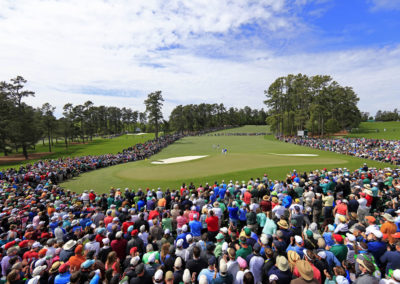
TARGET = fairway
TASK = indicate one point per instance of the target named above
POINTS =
(247, 157)
(377, 130)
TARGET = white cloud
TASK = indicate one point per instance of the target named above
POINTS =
(61, 46)
(385, 5)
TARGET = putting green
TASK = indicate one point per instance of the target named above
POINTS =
(247, 157)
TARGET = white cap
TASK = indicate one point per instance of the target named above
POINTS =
(251, 207)
(322, 254)
(396, 274)
(186, 278)
(142, 228)
(118, 235)
(36, 245)
(178, 262)
(179, 243)
(264, 239)
(106, 241)
(377, 234)
(167, 231)
(203, 279)
(224, 230)
(184, 228)
(189, 238)
(158, 276)
(350, 237)
(298, 239)
(135, 260)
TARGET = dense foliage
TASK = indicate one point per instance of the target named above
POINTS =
(205, 116)
(387, 115)
(317, 104)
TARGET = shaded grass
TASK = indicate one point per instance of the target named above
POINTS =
(98, 146)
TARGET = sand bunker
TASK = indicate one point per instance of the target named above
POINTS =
(177, 160)
(296, 155)
(141, 133)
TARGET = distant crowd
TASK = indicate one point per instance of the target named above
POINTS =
(324, 226)
(374, 149)
(58, 170)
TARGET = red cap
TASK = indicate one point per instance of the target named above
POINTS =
(338, 238)
(23, 244)
(133, 250)
(134, 232)
(9, 244)
(63, 268)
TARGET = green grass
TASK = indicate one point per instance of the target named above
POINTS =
(376, 130)
(98, 146)
(248, 156)
(247, 129)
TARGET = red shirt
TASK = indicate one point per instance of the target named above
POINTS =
(119, 246)
(247, 197)
(125, 226)
(108, 220)
(369, 200)
(212, 224)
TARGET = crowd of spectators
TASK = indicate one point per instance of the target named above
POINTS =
(323, 226)
(374, 149)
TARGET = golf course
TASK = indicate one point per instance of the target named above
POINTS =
(246, 157)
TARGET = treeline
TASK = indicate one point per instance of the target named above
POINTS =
(22, 126)
(387, 115)
(195, 117)
(317, 104)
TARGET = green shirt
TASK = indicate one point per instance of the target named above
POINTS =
(167, 224)
(243, 252)
(340, 251)
(218, 249)
(261, 219)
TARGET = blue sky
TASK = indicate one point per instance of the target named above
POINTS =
(115, 52)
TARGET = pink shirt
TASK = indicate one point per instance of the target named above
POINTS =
(181, 220)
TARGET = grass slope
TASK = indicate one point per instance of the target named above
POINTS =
(248, 156)
(376, 130)
(98, 146)
(247, 129)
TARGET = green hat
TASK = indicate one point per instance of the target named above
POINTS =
(220, 236)
(247, 231)
(309, 233)
(274, 193)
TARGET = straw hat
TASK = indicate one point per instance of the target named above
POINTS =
(388, 217)
(55, 266)
(265, 197)
(305, 269)
(282, 263)
(69, 245)
(282, 223)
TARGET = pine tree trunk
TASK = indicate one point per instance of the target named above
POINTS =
(25, 152)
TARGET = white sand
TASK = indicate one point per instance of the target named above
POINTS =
(296, 155)
(177, 160)
(136, 133)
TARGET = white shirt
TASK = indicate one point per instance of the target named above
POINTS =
(256, 264)
(95, 246)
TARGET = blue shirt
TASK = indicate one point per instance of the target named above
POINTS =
(377, 249)
(287, 201)
(183, 237)
(297, 249)
(140, 204)
(208, 273)
(195, 228)
(222, 192)
(62, 278)
(242, 214)
(233, 213)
